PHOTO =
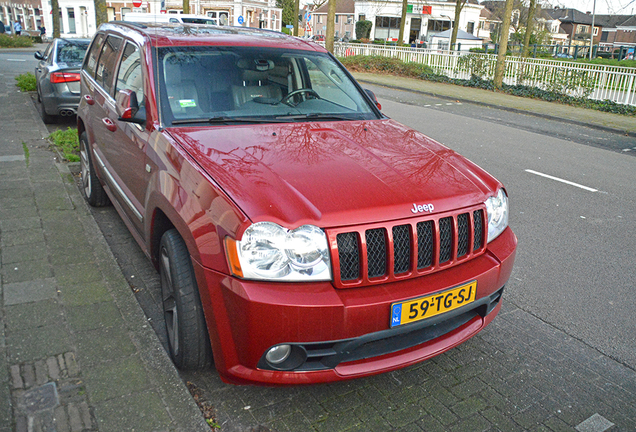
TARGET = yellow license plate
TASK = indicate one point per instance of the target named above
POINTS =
(425, 307)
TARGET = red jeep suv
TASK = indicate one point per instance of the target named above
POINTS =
(301, 235)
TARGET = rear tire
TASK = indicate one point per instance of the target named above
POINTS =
(91, 187)
(46, 118)
(185, 323)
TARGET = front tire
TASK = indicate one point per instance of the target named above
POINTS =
(185, 323)
(91, 187)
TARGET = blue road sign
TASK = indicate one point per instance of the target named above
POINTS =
(241, 20)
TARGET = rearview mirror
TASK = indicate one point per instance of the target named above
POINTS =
(38, 55)
(128, 107)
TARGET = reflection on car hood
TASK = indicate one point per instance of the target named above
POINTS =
(334, 173)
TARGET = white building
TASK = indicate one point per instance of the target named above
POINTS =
(77, 17)
(423, 18)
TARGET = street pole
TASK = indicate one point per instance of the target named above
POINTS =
(451, 31)
(592, 30)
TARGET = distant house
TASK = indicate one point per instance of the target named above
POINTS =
(618, 31)
(344, 21)
(577, 26)
(489, 24)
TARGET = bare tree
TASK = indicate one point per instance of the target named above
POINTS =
(459, 5)
(503, 45)
(532, 9)
(331, 25)
(101, 16)
(296, 11)
(402, 22)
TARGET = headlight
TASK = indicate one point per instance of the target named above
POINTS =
(271, 252)
(497, 208)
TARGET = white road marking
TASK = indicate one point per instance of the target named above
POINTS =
(20, 60)
(562, 181)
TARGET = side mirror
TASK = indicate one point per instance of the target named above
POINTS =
(38, 55)
(373, 98)
(128, 107)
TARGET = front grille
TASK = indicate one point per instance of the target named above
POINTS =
(407, 249)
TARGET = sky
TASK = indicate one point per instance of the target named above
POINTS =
(603, 7)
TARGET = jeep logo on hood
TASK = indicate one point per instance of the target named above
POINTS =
(422, 208)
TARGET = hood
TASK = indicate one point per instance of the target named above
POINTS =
(334, 173)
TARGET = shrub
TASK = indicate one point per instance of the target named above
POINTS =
(363, 29)
(7, 41)
(381, 64)
(26, 82)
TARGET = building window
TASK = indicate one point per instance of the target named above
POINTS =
(438, 26)
(362, 17)
(470, 27)
(71, 20)
(337, 19)
(595, 31)
(387, 27)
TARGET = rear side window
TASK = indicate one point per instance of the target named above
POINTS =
(129, 76)
(71, 52)
(107, 63)
(90, 63)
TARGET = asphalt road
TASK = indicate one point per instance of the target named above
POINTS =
(569, 298)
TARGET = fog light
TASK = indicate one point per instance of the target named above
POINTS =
(278, 354)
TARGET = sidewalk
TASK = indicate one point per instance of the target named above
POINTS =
(583, 116)
(76, 351)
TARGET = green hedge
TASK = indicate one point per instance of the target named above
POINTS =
(8, 41)
(384, 65)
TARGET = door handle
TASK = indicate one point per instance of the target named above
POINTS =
(109, 124)
(89, 99)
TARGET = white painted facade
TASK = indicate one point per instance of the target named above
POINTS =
(418, 26)
(77, 17)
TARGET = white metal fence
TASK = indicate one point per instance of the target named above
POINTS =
(600, 82)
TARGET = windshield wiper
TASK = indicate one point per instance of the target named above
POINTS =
(314, 116)
(226, 120)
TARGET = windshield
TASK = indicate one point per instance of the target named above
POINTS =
(243, 84)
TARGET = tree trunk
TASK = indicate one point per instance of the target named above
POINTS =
(402, 22)
(296, 12)
(503, 45)
(186, 6)
(101, 16)
(331, 25)
(526, 41)
(55, 11)
(458, 11)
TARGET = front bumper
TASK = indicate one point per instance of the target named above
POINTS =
(343, 333)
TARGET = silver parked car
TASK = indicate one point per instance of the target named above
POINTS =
(57, 76)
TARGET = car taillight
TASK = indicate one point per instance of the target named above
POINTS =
(62, 77)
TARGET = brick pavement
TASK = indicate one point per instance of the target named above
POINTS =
(76, 351)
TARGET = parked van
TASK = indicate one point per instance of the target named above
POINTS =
(141, 17)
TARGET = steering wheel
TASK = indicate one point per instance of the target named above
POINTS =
(290, 95)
